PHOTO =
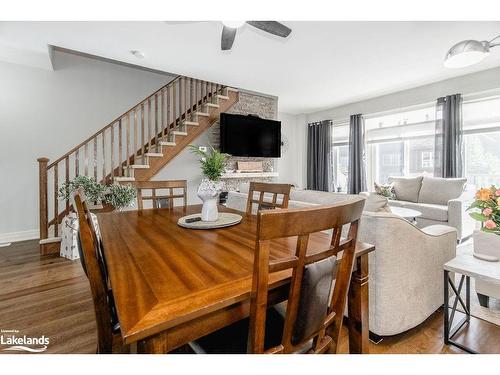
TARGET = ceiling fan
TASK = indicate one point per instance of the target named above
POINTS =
(230, 27)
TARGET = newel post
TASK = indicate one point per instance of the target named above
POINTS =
(44, 214)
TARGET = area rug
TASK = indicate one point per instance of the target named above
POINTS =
(491, 313)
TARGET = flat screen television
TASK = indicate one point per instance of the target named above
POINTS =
(246, 135)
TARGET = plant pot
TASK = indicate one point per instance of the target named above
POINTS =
(208, 192)
(486, 246)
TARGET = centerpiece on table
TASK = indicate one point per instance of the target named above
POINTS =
(487, 210)
(212, 167)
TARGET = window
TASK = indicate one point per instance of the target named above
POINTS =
(426, 159)
(481, 123)
(340, 150)
(400, 144)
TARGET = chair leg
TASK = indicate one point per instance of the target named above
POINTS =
(483, 300)
(376, 339)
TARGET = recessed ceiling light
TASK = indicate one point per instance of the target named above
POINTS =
(137, 54)
(233, 24)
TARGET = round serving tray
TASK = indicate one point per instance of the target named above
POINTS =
(226, 219)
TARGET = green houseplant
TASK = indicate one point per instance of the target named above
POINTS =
(119, 196)
(212, 167)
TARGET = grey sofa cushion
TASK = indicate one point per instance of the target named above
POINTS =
(440, 190)
(436, 212)
(407, 188)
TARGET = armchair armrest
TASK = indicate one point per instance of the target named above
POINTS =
(438, 230)
(458, 217)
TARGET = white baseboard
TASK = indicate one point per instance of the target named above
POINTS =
(20, 236)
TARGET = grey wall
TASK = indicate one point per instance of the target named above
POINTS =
(46, 113)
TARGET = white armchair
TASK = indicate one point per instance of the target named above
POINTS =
(406, 270)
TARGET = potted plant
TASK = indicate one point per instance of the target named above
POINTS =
(487, 210)
(100, 196)
(120, 196)
(212, 167)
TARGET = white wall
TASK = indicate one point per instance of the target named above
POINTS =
(46, 113)
(467, 84)
(290, 166)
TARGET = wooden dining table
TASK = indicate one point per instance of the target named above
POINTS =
(172, 285)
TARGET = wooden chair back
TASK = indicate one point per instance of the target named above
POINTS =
(328, 311)
(162, 200)
(95, 274)
(262, 188)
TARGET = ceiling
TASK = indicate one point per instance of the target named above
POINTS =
(320, 65)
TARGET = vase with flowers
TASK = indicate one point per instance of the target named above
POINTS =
(486, 209)
(212, 167)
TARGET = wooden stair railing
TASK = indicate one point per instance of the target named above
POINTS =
(144, 135)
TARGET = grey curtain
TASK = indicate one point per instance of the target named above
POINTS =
(319, 155)
(448, 141)
(356, 176)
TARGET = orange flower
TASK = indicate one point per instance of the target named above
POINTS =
(483, 194)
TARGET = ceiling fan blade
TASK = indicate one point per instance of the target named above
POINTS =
(272, 27)
(227, 38)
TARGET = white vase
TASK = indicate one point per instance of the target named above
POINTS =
(208, 192)
(486, 246)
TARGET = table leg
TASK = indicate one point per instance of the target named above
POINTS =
(446, 309)
(157, 344)
(358, 308)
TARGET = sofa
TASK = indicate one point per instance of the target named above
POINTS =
(440, 200)
(405, 271)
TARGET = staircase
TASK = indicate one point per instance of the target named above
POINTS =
(133, 147)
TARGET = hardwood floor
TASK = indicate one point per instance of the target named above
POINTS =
(48, 295)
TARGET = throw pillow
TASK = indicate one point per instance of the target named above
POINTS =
(436, 190)
(375, 203)
(407, 188)
(385, 190)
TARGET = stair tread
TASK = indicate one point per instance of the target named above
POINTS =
(124, 179)
(194, 123)
(202, 114)
(212, 105)
(225, 97)
(167, 143)
(178, 132)
(154, 154)
(139, 166)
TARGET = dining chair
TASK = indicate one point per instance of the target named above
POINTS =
(92, 256)
(312, 318)
(262, 189)
(161, 200)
